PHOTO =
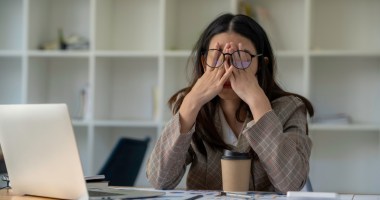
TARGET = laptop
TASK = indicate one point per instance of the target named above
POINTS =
(42, 157)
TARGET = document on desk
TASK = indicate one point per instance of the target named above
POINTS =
(207, 194)
(180, 194)
(318, 195)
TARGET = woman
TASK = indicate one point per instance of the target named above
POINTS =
(233, 102)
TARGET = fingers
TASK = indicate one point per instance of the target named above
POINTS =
(244, 57)
(228, 73)
(226, 50)
(211, 58)
(222, 73)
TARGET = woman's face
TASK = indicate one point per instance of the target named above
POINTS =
(218, 42)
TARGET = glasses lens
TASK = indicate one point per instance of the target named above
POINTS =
(241, 59)
(214, 58)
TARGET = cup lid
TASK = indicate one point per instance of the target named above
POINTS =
(231, 155)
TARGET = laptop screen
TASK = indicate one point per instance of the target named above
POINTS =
(41, 154)
(40, 151)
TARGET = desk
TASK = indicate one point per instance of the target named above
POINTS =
(6, 195)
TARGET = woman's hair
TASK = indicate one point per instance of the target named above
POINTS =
(205, 129)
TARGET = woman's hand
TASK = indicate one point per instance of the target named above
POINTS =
(210, 83)
(205, 89)
(245, 84)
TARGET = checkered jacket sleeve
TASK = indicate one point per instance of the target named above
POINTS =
(171, 154)
(282, 145)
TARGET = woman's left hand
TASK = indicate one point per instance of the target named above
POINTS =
(245, 84)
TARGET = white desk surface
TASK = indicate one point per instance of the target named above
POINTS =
(186, 194)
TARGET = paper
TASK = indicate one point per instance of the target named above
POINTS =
(207, 194)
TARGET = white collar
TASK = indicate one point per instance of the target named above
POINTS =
(228, 135)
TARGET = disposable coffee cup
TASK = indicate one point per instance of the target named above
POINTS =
(236, 171)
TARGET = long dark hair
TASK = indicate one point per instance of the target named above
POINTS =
(205, 130)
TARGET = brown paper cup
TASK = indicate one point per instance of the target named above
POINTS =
(236, 171)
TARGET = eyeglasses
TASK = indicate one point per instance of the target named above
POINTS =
(240, 59)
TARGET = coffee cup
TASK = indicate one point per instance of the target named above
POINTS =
(236, 171)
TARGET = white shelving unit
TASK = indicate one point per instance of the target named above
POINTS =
(327, 50)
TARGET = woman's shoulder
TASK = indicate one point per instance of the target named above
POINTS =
(285, 107)
(289, 102)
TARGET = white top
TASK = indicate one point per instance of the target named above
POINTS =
(228, 134)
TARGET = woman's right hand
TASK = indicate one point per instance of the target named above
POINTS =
(211, 82)
(205, 89)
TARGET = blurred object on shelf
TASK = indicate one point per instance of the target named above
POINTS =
(72, 42)
(245, 8)
(52, 45)
(340, 118)
(61, 39)
(75, 42)
(263, 17)
(83, 106)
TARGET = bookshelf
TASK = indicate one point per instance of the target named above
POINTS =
(137, 56)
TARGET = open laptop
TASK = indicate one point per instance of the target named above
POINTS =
(42, 158)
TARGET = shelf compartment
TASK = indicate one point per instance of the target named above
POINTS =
(345, 158)
(105, 139)
(81, 137)
(47, 17)
(177, 76)
(127, 25)
(124, 88)
(185, 20)
(11, 80)
(290, 74)
(283, 21)
(348, 30)
(59, 80)
(11, 24)
(338, 87)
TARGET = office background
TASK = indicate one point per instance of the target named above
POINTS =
(123, 59)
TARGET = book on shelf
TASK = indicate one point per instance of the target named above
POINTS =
(96, 181)
(101, 184)
(95, 178)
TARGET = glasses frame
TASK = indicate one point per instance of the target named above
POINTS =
(230, 54)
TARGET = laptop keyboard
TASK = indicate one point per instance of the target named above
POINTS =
(93, 193)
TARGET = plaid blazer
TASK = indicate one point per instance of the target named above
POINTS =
(279, 141)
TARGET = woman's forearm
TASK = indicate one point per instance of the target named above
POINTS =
(188, 113)
(167, 163)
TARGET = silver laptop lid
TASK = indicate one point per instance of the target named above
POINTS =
(40, 151)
